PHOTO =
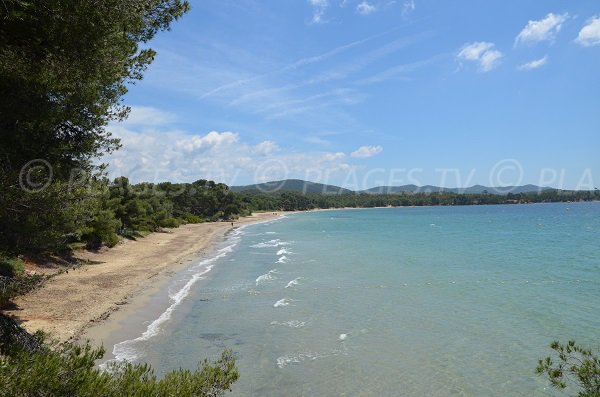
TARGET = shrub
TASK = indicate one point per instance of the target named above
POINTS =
(191, 218)
(10, 267)
(575, 366)
(169, 222)
(69, 370)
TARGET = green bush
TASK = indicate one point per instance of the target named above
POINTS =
(191, 218)
(573, 366)
(170, 222)
(69, 370)
(10, 267)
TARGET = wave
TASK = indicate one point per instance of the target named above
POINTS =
(266, 277)
(291, 323)
(126, 350)
(283, 251)
(271, 243)
(294, 282)
(282, 302)
(286, 360)
(270, 232)
(282, 259)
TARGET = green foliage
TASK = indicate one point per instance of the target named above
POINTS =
(577, 367)
(64, 67)
(69, 370)
(10, 266)
(102, 229)
(170, 222)
(191, 218)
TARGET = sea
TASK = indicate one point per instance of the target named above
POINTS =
(421, 301)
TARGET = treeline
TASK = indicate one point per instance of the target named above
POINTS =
(290, 201)
(132, 210)
(109, 210)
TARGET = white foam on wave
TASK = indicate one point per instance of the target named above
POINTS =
(291, 323)
(271, 243)
(343, 336)
(282, 302)
(286, 360)
(266, 277)
(283, 251)
(270, 232)
(282, 259)
(294, 282)
(126, 350)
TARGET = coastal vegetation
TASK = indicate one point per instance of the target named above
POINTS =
(575, 366)
(47, 368)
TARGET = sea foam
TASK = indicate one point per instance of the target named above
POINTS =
(266, 277)
(126, 350)
(294, 282)
(271, 243)
(282, 302)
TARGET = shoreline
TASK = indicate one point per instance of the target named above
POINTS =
(118, 280)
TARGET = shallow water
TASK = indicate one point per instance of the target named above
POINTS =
(437, 301)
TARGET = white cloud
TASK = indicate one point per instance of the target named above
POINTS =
(537, 63)
(266, 148)
(148, 116)
(408, 7)
(481, 52)
(542, 30)
(319, 7)
(366, 151)
(365, 8)
(589, 35)
(179, 156)
(212, 139)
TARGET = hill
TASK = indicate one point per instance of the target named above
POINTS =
(291, 185)
(477, 189)
(301, 186)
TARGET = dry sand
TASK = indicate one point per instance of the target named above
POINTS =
(72, 302)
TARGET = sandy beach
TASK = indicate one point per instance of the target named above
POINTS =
(71, 303)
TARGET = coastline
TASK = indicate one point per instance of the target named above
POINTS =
(117, 281)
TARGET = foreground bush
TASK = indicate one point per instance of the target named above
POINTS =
(68, 370)
(576, 366)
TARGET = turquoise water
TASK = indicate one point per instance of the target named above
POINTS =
(436, 301)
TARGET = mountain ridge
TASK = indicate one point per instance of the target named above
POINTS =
(302, 186)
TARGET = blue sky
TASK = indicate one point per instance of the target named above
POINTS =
(367, 93)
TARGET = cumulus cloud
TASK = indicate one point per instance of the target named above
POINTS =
(266, 148)
(589, 35)
(543, 30)
(366, 151)
(537, 63)
(319, 7)
(153, 156)
(365, 8)
(481, 52)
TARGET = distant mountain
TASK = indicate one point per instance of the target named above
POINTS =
(291, 185)
(477, 189)
(300, 186)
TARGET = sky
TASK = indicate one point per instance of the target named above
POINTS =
(369, 93)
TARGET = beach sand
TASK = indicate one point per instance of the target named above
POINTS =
(71, 304)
